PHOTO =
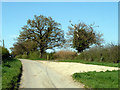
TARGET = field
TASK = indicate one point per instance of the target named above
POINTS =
(108, 79)
(11, 70)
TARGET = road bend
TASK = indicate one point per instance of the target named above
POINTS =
(38, 75)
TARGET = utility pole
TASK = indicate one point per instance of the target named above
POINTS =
(3, 44)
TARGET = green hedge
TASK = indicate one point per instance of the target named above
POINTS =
(11, 70)
(34, 55)
(5, 53)
(104, 54)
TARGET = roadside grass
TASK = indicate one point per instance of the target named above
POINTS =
(92, 62)
(0, 75)
(41, 59)
(37, 59)
(82, 61)
(108, 79)
(11, 70)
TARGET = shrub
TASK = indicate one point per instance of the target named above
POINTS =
(5, 53)
(108, 53)
(18, 56)
(34, 55)
(51, 56)
(64, 55)
(25, 56)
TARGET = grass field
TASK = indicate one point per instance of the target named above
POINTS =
(108, 79)
(11, 70)
(90, 62)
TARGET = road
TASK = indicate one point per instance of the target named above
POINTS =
(38, 75)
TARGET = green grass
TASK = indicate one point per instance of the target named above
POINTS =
(0, 76)
(108, 79)
(37, 59)
(91, 62)
(11, 70)
(32, 58)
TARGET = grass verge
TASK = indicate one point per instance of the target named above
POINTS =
(37, 59)
(33, 58)
(108, 79)
(11, 70)
(92, 62)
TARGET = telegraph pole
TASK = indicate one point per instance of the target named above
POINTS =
(3, 44)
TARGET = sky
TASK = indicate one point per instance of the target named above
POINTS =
(103, 14)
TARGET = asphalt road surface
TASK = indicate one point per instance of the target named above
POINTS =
(38, 75)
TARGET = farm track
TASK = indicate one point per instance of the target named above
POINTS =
(48, 74)
(38, 75)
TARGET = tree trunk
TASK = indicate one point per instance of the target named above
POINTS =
(41, 53)
(79, 50)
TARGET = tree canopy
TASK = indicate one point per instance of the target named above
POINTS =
(23, 47)
(82, 36)
(44, 31)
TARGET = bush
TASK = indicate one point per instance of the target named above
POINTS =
(25, 56)
(51, 56)
(34, 55)
(18, 56)
(65, 55)
(108, 53)
(5, 53)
